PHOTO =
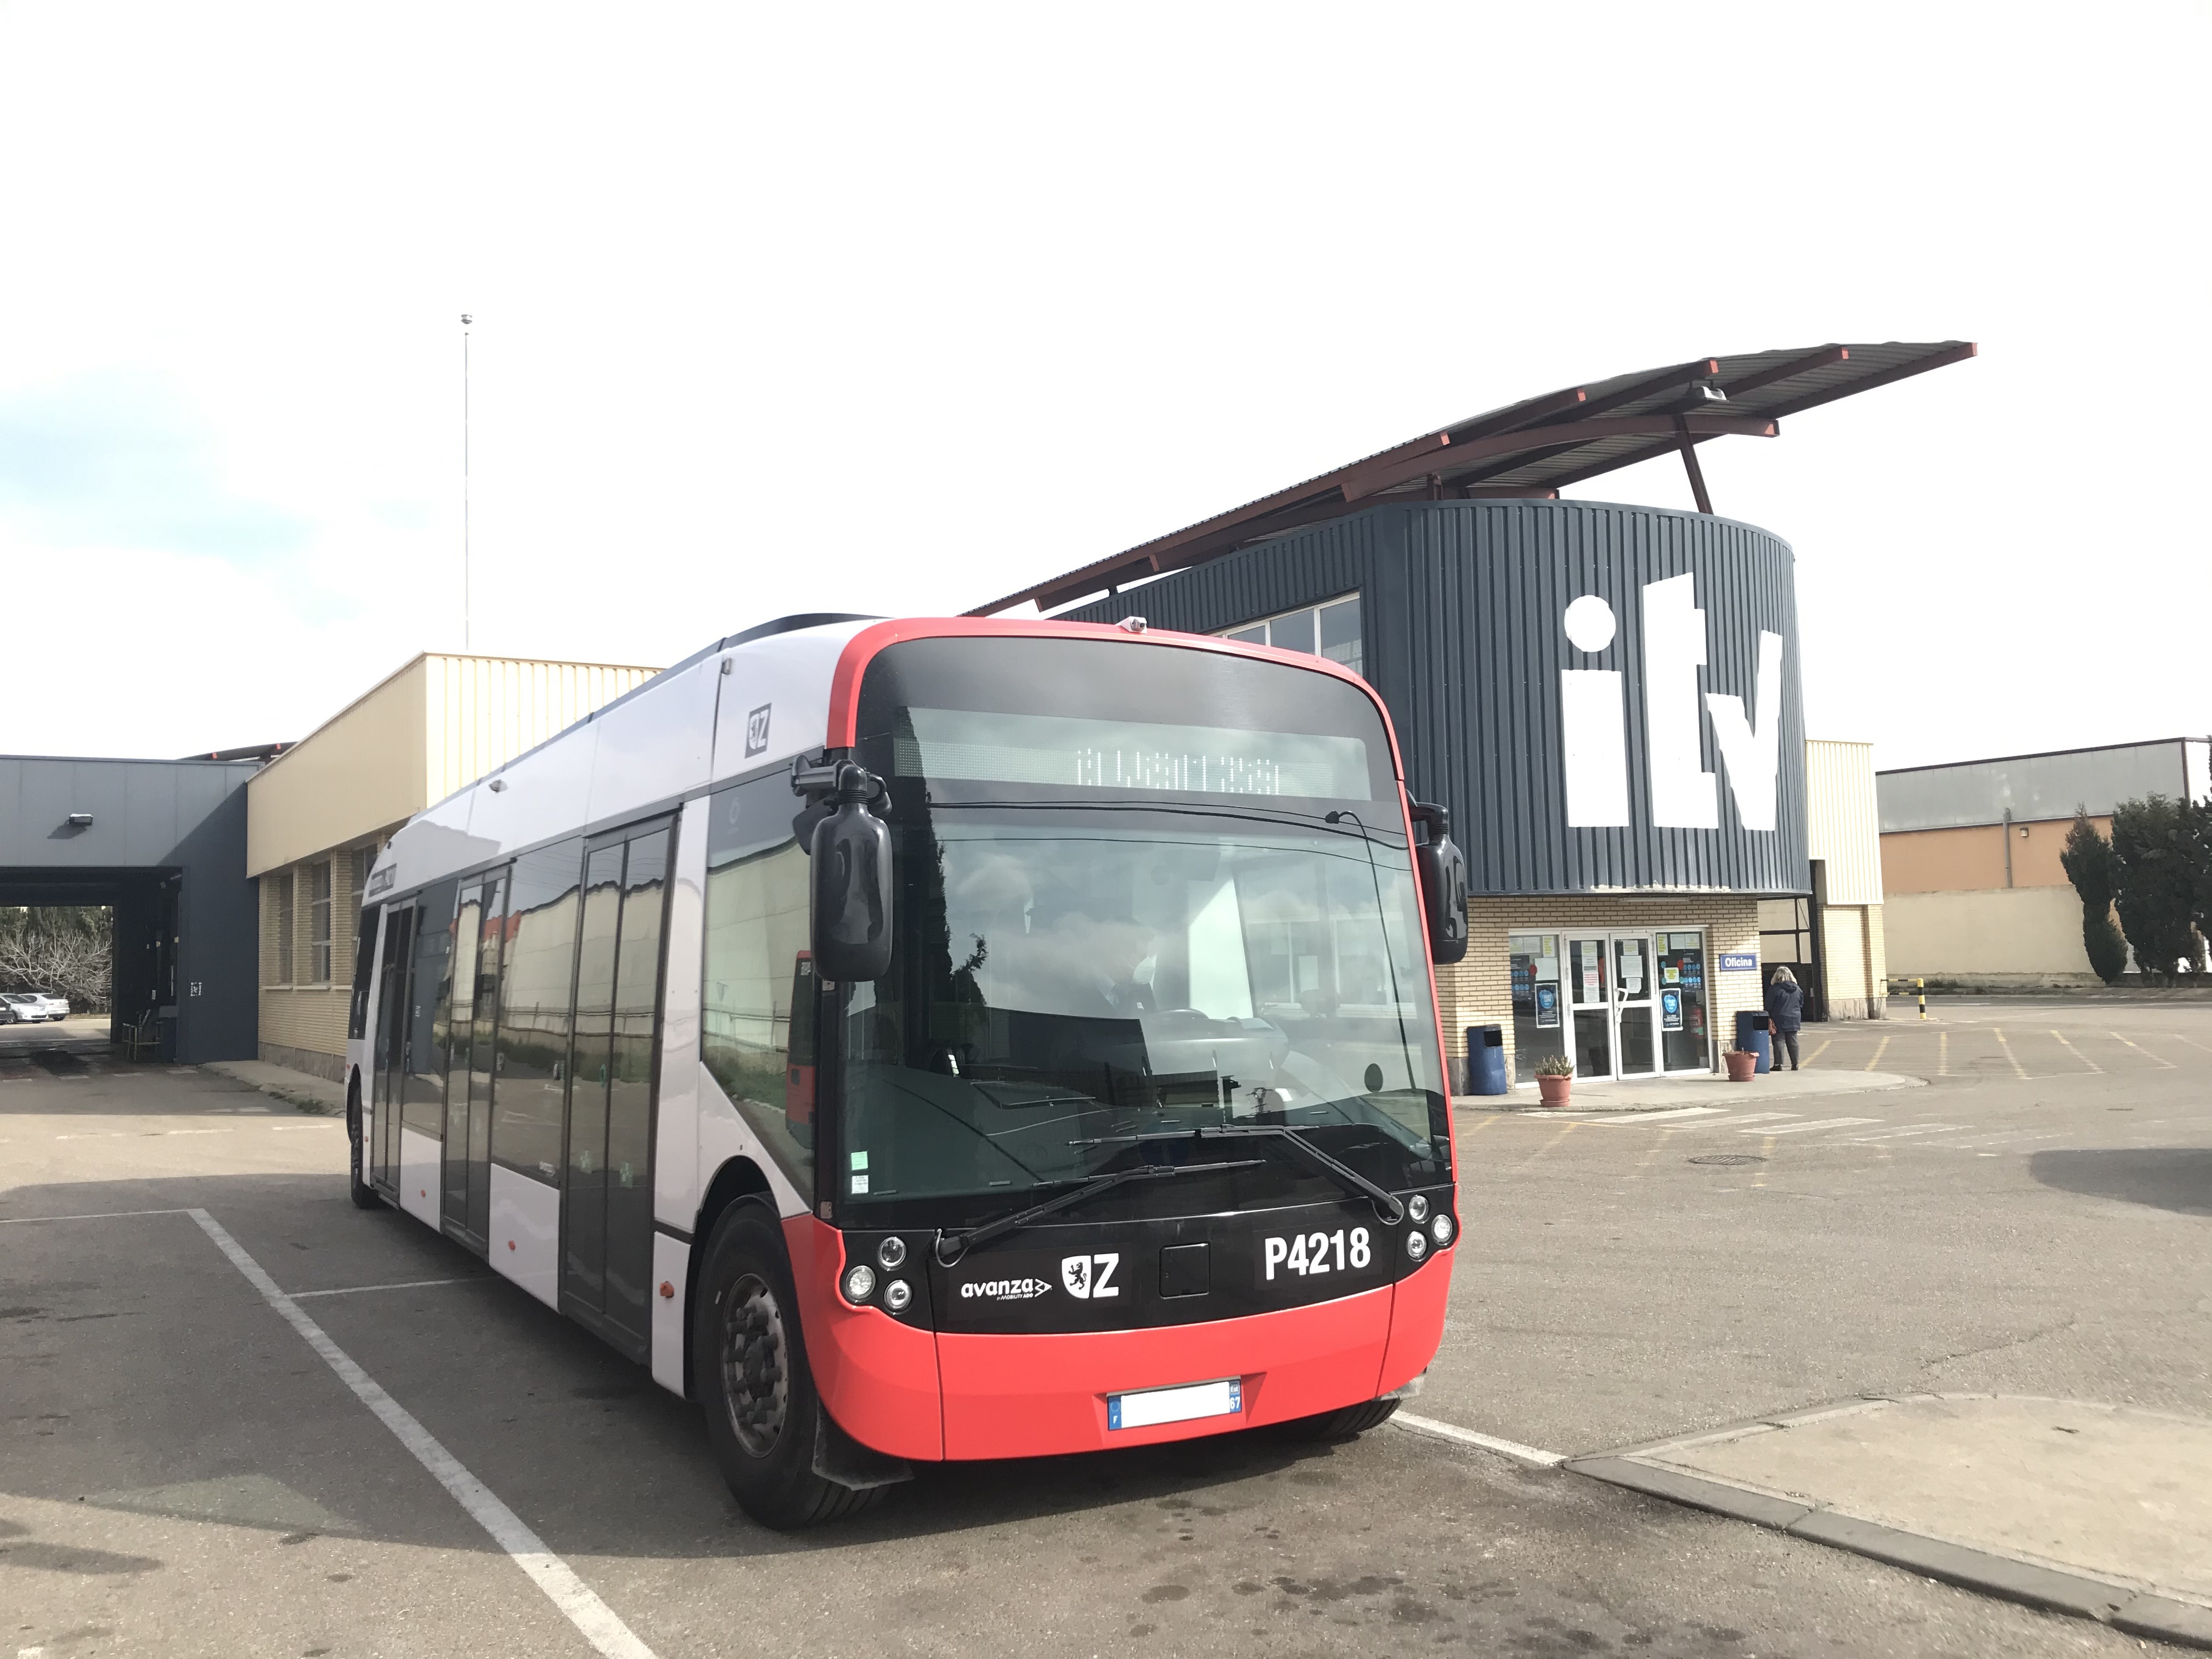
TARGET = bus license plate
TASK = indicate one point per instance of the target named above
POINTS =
(1156, 1406)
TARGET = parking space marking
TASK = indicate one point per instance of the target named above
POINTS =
(1943, 1053)
(1875, 1135)
(577, 1600)
(101, 1215)
(2018, 1070)
(1513, 1449)
(1817, 1123)
(2156, 1060)
(405, 1285)
(2078, 1054)
(1879, 1049)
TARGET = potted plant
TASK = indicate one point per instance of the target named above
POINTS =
(1555, 1075)
(1742, 1064)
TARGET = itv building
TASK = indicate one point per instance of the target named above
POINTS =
(1606, 697)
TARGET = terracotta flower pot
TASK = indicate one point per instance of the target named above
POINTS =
(1552, 1091)
(1742, 1066)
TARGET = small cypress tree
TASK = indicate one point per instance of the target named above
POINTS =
(2156, 883)
(2087, 860)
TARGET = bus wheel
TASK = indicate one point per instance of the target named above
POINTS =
(365, 1197)
(750, 1374)
(1343, 1424)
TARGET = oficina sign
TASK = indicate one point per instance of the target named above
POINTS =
(1594, 721)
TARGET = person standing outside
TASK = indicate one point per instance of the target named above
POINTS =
(1785, 1010)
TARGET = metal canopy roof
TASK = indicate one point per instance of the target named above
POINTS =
(1534, 447)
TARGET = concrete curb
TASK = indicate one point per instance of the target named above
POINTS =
(2137, 1613)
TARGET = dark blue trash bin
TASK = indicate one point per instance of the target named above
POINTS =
(1486, 1059)
(1751, 1033)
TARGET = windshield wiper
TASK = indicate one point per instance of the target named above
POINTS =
(1387, 1205)
(951, 1247)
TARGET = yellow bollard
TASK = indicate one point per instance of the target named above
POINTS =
(1923, 984)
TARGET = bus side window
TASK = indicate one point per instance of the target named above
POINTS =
(800, 1064)
(756, 1001)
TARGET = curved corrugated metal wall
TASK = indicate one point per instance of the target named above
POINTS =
(1461, 610)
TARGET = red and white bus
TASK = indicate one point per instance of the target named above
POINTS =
(938, 1039)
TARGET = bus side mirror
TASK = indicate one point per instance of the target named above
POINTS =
(1444, 885)
(852, 873)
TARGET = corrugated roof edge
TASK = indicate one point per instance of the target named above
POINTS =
(133, 760)
(2040, 754)
(464, 656)
(781, 625)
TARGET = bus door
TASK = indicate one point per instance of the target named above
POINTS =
(466, 1212)
(391, 1044)
(606, 1257)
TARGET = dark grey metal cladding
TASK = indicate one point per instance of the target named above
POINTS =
(1462, 605)
(151, 821)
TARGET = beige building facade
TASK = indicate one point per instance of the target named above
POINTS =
(319, 813)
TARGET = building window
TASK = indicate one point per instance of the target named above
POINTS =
(281, 923)
(357, 864)
(318, 922)
(1330, 630)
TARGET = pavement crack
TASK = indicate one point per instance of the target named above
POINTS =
(2020, 1341)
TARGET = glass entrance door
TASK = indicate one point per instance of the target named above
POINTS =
(1685, 1024)
(1634, 1004)
(1589, 997)
(1633, 1000)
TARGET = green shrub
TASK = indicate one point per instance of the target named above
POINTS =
(2087, 858)
(2158, 853)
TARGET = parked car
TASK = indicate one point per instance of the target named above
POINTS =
(57, 1007)
(22, 1006)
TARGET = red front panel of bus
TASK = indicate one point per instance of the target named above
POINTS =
(924, 1395)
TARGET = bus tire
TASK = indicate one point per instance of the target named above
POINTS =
(1345, 1423)
(749, 1374)
(365, 1197)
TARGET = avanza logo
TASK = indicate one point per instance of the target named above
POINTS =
(1004, 1290)
(1593, 728)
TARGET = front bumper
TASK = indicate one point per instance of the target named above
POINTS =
(931, 1396)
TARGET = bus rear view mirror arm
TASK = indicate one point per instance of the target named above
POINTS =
(1443, 883)
(851, 849)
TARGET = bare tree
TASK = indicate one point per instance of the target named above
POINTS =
(68, 951)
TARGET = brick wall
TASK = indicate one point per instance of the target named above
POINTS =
(1480, 991)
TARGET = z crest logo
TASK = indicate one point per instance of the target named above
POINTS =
(1090, 1277)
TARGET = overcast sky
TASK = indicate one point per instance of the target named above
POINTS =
(900, 308)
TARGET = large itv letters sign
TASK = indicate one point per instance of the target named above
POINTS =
(1594, 715)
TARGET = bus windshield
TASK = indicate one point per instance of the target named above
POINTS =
(1072, 982)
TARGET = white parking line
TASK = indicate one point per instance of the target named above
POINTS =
(576, 1599)
(1900, 1134)
(405, 1285)
(1514, 1448)
(1817, 1123)
(2160, 1058)
(2078, 1054)
(100, 1215)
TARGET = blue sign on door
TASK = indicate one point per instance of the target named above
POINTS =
(1740, 961)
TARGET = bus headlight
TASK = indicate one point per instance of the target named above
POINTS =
(898, 1294)
(1441, 1229)
(1418, 1206)
(892, 1254)
(1416, 1245)
(859, 1282)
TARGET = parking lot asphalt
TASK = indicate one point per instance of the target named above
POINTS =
(182, 1474)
